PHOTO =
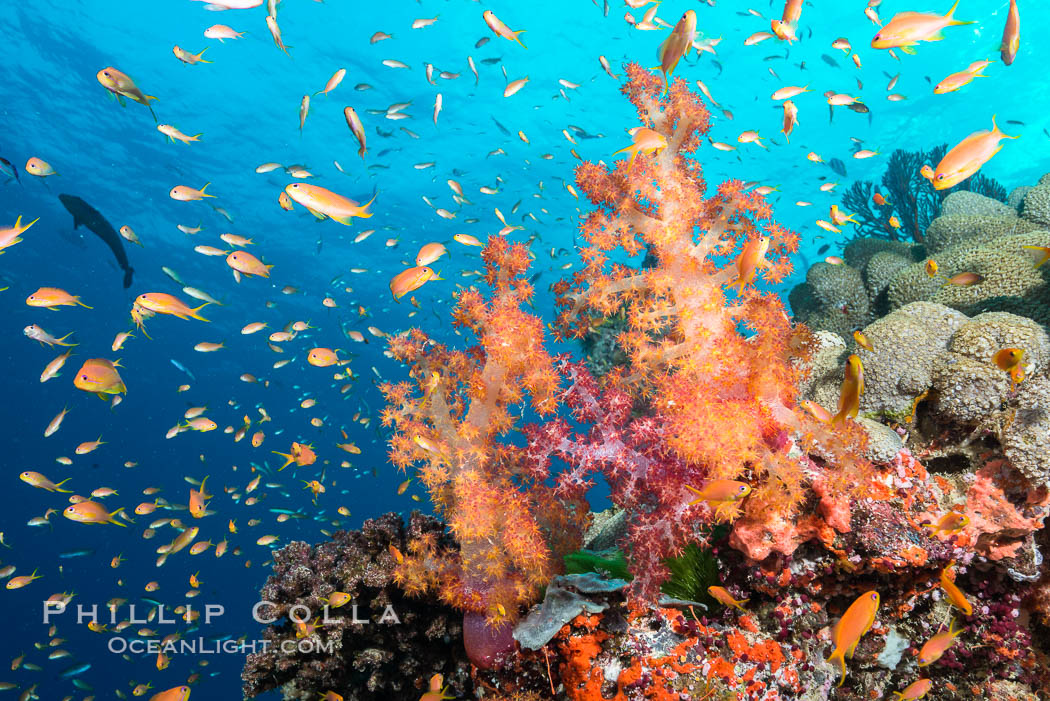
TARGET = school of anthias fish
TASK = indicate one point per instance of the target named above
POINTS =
(189, 521)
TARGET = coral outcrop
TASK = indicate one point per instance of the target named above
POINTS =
(386, 645)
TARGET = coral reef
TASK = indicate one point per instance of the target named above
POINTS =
(776, 647)
(376, 657)
(909, 196)
(708, 414)
(974, 234)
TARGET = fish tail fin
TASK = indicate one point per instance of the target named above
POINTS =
(952, 22)
(154, 117)
(196, 137)
(112, 518)
(77, 300)
(60, 341)
(203, 193)
(365, 214)
(840, 655)
(67, 491)
(195, 315)
(288, 459)
(995, 127)
(517, 38)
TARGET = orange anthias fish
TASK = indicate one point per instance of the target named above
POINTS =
(967, 157)
(198, 505)
(173, 133)
(907, 29)
(324, 357)
(40, 481)
(51, 297)
(246, 263)
(720, 490)
(750, 260)
(722, 596)
(333, 82)
(644, 140)
(502, 30)
(1009, 360)
(858, 620)
(163, 303)
(100, 376)
(852, 389)
(178, 693)
(951, 522)
(39, 168)
(938, 645)
(10, 236)
(185, 193)
(436, 692)
(953, 592)
(411, 280)
(792, 12)
(429, 253)
(357, 128)
(92, 512)
(186, 57)
(1011, 35)
(43, 337)
(122, 87)
(675, 47)
(962, 78)
(916, 690)
(790, 119)
(721, 495)
(302, 454)
(324, 203)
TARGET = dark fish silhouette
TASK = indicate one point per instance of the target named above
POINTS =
(837, 166)
(86, 215)
(9, 170)
(501, 127)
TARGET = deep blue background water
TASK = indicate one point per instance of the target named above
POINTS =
(246, 105)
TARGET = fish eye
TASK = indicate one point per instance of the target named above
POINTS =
(940, 176)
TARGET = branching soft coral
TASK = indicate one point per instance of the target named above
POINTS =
(715, 375)
(512, 528)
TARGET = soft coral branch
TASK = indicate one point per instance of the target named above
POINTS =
(452, 425)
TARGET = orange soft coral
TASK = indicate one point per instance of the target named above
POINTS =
(512, 529)
(717, 372)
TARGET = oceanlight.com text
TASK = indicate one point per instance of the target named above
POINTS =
(202, 646)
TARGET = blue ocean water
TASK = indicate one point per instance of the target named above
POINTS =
(246, 105)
